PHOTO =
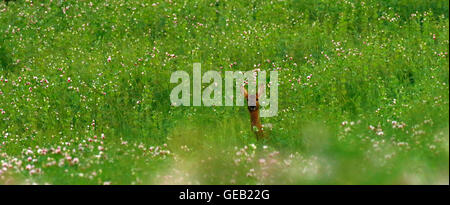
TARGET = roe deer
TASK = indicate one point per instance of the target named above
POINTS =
(254, 111)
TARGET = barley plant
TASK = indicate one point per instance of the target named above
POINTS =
(85, 86)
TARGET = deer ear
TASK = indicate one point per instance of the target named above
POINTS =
(261, 89)
(244, 92)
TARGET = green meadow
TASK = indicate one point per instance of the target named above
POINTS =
(85, 92)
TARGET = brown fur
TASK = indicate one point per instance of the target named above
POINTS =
(254, 115)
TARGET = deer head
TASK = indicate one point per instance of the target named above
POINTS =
(253, 100)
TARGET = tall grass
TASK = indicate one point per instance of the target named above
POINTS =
(364, 96)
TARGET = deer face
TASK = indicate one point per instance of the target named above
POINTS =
(253, 100)
(254, 107)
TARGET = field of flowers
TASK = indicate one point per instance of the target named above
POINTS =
(85, 85)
